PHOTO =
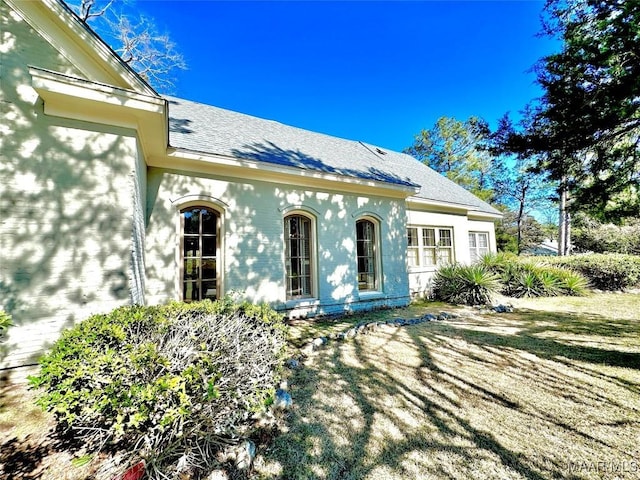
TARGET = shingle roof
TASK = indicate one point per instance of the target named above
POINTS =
(207, 129)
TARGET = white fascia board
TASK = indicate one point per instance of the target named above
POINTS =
(460, 208)
(75, 98)
(199, 162)
(78, 43)
(478, 215)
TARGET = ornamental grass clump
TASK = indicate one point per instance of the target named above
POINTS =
(526, 277)
(167, 384)
(466, 284)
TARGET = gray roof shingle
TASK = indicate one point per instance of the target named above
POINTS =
(207, 129)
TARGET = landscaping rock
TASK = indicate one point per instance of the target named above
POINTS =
(218, 475)
(283, 400)
(245, 454)
(292, 364)
(502, 308)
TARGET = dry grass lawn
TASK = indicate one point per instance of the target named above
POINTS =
(551, 391)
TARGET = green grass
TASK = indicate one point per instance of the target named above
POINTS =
(549, 391)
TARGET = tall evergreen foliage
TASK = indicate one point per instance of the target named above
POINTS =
(586, 127)
(456, 150)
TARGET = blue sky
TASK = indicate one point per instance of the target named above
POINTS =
(372, 71)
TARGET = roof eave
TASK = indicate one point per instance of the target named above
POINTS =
(460, 208)
(79, 99)
(250, 169)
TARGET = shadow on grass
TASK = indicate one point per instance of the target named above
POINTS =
(398, 407)
(542, 334)
(26, 455)
(25, 458)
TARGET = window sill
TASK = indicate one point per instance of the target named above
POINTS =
(301, 302)
(371, 295)
(430, 268)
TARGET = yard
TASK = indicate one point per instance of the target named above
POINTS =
(549, 391)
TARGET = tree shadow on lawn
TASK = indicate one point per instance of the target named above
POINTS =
(541, 334)
(26, 456)
(363, 410)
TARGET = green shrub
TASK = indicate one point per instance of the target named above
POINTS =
(5, 322)
(589, 235)
(498, 262)
(604, 271)
(525, 277)
(528, 283)
(571, 283)
(465, 284)
(164, 383)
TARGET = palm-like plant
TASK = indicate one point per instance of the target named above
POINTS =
(469, 285)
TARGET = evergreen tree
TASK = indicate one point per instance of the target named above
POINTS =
(586, 128)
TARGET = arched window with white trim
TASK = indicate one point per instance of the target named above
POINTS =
(298, 232)
(367, 255)
(199, 247)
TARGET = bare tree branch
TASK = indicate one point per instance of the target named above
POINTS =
(135, 38)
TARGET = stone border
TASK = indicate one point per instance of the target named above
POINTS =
(365, 327)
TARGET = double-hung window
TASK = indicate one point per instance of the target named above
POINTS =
(429, 246)
(478, 245)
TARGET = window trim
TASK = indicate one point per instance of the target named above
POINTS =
(200, 235)
(476, 234)
(377, 263)
(421, 249)
(217, 207)
(313, 276)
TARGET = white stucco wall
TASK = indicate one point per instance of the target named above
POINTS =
(420, 277)
(66, 208)
(253, 241)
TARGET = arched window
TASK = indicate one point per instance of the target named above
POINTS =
(199, 249)
(367, 255)
(298, 262)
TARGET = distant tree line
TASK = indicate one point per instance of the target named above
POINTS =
(577, 147)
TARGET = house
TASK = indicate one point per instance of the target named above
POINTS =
(546, 248)
(113, 194)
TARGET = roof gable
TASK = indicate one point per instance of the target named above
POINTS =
(63, 29)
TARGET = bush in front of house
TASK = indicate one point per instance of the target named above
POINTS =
(5, 322)
(527, 278)
(465, 284)
(604, 271)
(590, 235)
(166, 384)
(507, 274)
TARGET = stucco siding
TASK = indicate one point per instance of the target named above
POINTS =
(66, 205)
(252, 260)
